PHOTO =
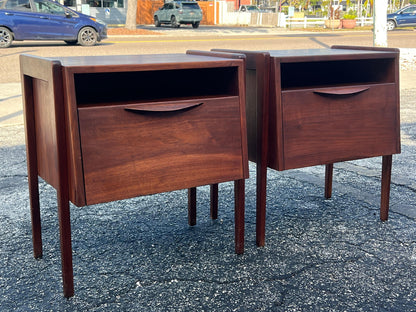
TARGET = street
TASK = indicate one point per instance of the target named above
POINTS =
(168, 40)
(140, 254)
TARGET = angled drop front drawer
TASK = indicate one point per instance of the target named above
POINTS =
(139, 149)
(332, 105)
(153, 123)
(329, 125)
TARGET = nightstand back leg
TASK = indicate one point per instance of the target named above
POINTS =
(239, 203)
(329, 169)
(192, 206)
(214, 201)
(385, 187)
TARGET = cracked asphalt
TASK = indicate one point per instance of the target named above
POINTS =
(141, 255)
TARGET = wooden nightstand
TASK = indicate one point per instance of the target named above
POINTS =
(318, 107)
(106, 128)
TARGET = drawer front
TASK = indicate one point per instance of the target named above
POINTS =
(139, 149)
(323, 126)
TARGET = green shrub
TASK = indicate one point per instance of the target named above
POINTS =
(350, 15)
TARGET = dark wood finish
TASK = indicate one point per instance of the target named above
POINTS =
(322, 106)
(214, 187)
(100, 129)
(32, 167)
(192, 206)
(329, 170)
(385, 187)
(106, 174)
(214, 201)
(257, 86)
(321, 127)
(239, 202)
(47, 153)
(63, 186)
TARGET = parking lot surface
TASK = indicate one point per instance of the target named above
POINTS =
(141, 255)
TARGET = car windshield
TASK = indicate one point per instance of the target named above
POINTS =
(190, 6)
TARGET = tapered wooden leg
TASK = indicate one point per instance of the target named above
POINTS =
(32, 170)
(34, 200)
(63, 185)
(66, 246)
(385, 187)
(261, 177)
(239, 209)
(329, 169)
(35, 214)
(192, 206)
(32, 166)
(214, 201)
(264, 84)
(64, 216)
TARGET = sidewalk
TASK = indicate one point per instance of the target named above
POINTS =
(140, 254)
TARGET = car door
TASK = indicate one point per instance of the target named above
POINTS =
(53, 21)
(407, 16)
(165, 12)
(18, 16)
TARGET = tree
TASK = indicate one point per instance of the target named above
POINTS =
(380, 23)
(131, 14)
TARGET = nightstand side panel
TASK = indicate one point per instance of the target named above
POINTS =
(75, 169)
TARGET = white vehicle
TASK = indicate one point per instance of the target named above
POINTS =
(177, 13)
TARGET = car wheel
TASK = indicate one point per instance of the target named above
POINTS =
(195, 25)
(71, 42)
(87, 36)
(174, 23)
(391, 25)
(157, 22)
(6, 37)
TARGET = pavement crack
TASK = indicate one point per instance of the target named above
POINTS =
(168, 281)
(310, 266)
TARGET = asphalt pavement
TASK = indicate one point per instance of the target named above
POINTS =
(141, 255)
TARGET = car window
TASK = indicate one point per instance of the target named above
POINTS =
(19, 5)
(252, 8)
(190, 6)
(409, 10)
(43, 6)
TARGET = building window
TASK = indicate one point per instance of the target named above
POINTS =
(104, 3)
(93, 3)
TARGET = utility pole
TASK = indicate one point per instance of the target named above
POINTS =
(380, 23)
(131, 15)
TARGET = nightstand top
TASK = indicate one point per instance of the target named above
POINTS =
(330, 54)
(145, 59)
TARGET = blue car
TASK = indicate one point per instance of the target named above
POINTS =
(47, 20)
(402, 18)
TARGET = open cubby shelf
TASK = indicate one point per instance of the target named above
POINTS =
(153, 86)
(336, 73)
